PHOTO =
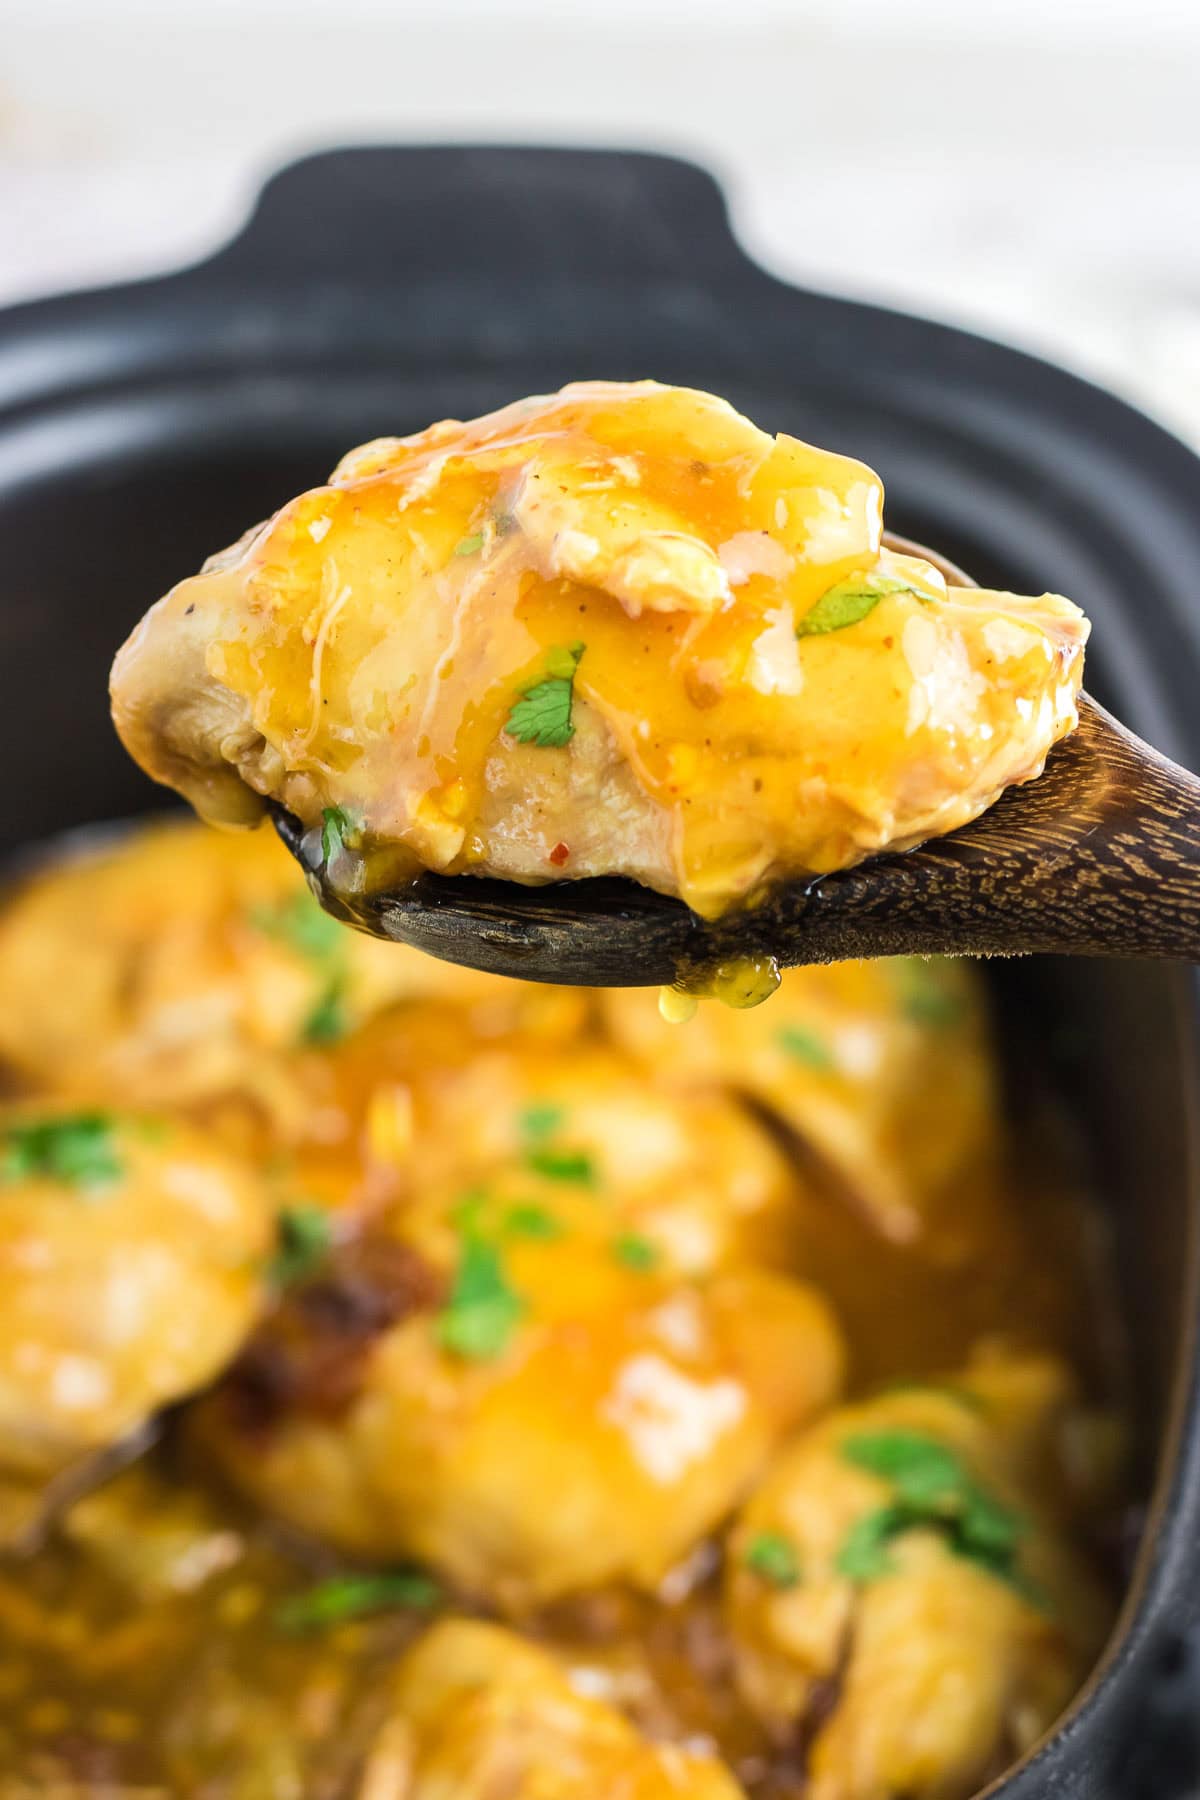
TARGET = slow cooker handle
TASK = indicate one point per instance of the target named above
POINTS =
(463, 213)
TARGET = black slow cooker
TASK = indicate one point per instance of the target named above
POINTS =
(375, 289)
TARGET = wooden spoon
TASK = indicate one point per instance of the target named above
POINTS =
(1100, 856)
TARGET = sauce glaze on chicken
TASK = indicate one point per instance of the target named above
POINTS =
(616, 630)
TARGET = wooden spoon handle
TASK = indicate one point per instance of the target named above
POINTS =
(1099, 856)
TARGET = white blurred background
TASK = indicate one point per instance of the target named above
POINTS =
(1031, 167)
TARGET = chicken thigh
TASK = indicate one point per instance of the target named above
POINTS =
(527, 1407)
(617, 630)
(132, 1265)
(901, 1593)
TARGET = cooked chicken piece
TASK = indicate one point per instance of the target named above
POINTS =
(615, 630)
(419, 1106)
(174, 965)
(882, 1068)
(131, 1264)
(900, 1591)
(532, 1412)
(481, 1714)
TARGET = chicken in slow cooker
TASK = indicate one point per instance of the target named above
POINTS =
(417, 1384)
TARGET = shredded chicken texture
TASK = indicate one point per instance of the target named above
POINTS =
(614, 630)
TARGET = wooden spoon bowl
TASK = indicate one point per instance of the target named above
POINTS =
(1099, 856)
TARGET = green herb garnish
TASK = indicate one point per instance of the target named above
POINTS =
(301, 924)
(346, 1597)
(469, 545)
(543, 713)
(633, 1251)
(804, 1046)
(562, 1165)
(337, 828)
(921, 1469)
(864, 1554)
(483, 1309)
(770, 1555)
(529, 1221)
(78, 1150)
(541, 1120)
(538, 1123)
(328, 1021)
(850, 601)
(305, 1236)
(933, 1489)
(467, 1212)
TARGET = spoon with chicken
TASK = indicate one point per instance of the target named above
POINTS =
(612, 687)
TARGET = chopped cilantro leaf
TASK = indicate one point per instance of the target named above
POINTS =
(541, 1120)
(562, 1165)
(328, 1021)
(304, 1234)
(355, 1597)
(467, 1211)
(337, 828)
(849, 602)
(804, 1046)
(982, 1534)
(770, 1555)
(483, 1310)
(301, 924)
(987, 1528)
(924, 1472)
(933, 1490)
(635, 1252)
(864, 1555)
(78, 1149)
(469, 545)
(543, 713)
(529, 1221)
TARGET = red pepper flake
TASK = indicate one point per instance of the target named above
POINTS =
(559, 855)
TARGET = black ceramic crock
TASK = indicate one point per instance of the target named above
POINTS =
(376, 289)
